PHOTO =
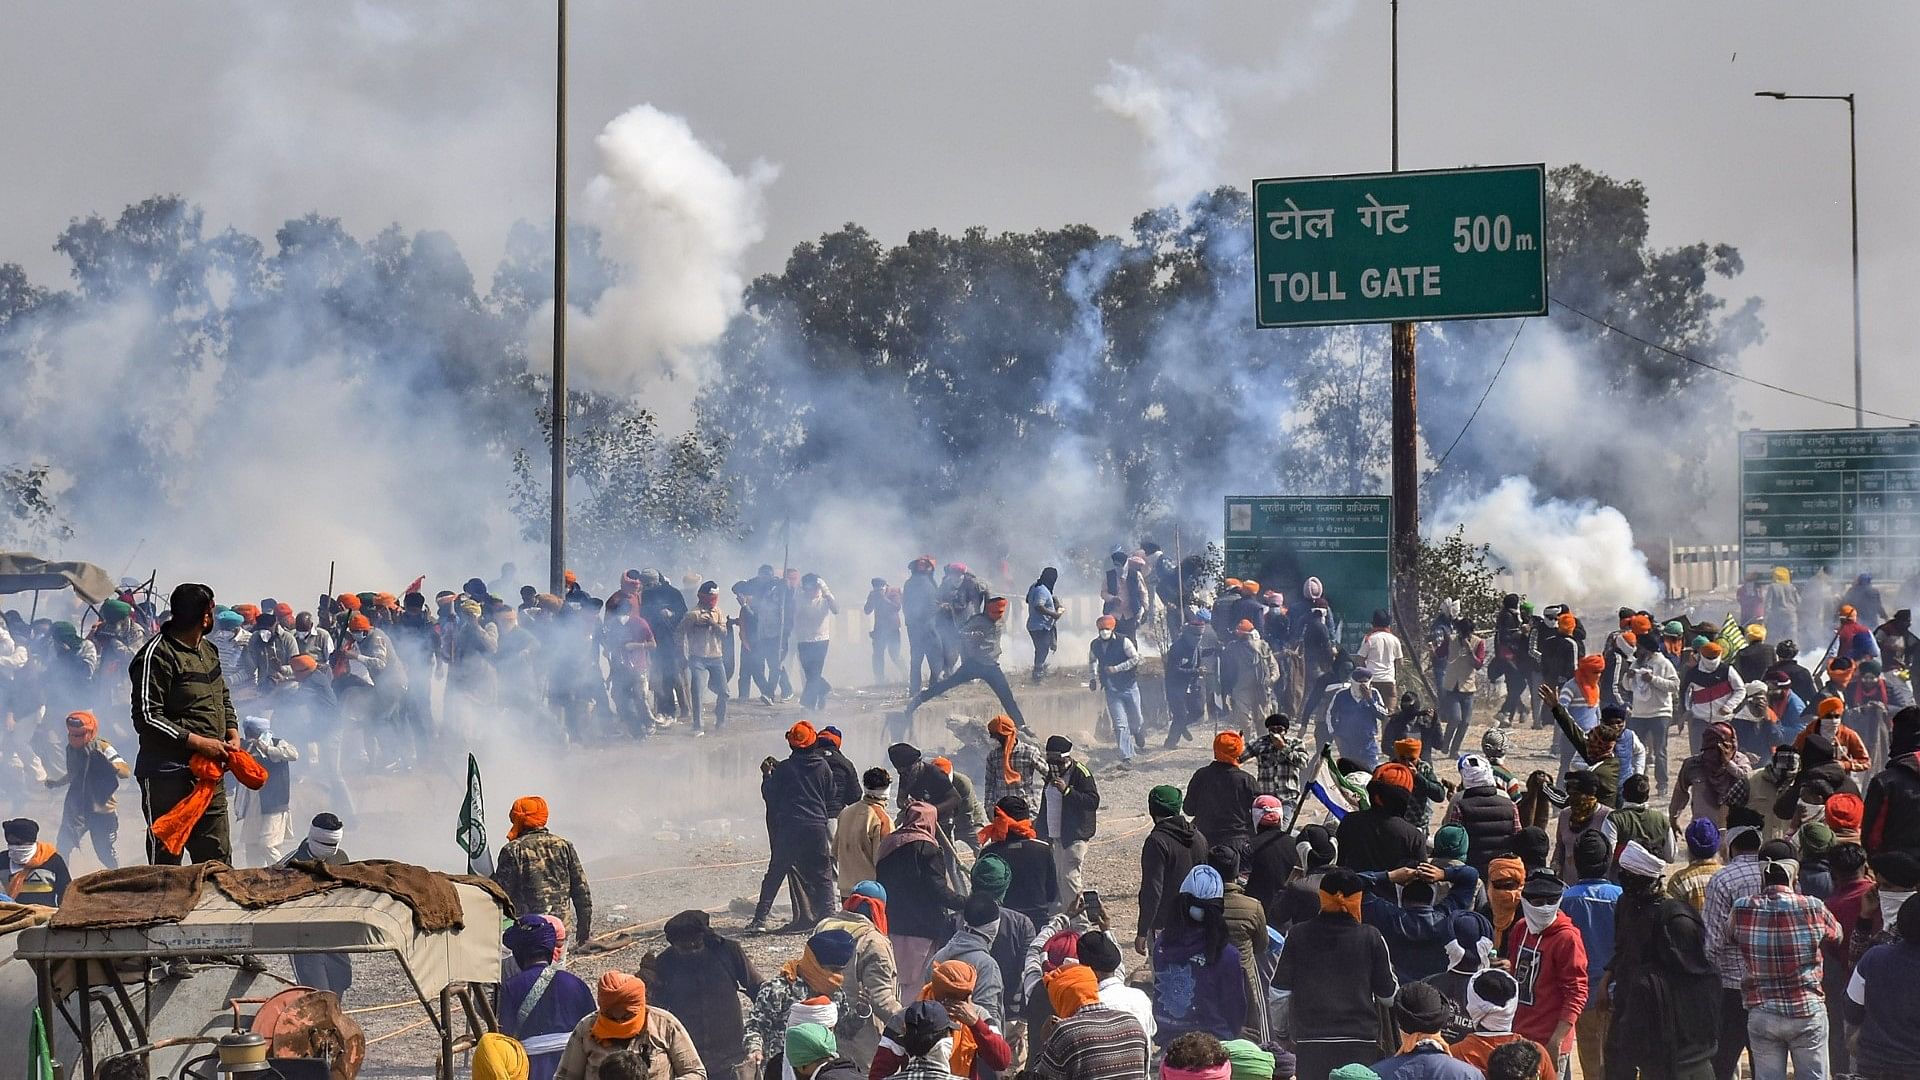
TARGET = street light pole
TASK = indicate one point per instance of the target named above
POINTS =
(557, 525)
(1853, 199)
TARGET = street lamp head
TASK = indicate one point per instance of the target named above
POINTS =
(1774, 94)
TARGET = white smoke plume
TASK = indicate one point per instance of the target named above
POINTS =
(1185, 105)
(1578, 553)
(679, 222)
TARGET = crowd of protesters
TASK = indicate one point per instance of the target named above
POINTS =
(1394, 905)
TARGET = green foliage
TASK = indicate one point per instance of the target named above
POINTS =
(1453, 568)
(30, 518)
(630, 489)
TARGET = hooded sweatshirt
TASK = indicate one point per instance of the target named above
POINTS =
(1552, 969)
(1171, 849)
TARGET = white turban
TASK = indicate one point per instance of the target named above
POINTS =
(1636, 859)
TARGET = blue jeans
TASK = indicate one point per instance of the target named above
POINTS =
(1773, 1039)
(1123, 708)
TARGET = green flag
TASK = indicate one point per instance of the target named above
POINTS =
(472, 833)
(1732, 637)
(40, 1055)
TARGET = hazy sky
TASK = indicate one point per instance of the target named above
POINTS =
(437, 114)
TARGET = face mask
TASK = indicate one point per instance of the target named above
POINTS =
(1106, 635)
(1709, 664)
(1539, 916)
(709, 601)
(1890, 901)
(20, 853)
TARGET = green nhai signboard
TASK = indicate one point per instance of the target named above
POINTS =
(1344, 540)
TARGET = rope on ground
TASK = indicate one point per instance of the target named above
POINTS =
(380, 1008)
(399, 1031)
(671, 869)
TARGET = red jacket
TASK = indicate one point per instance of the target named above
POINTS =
(1552, 969)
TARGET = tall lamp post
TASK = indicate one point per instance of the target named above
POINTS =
(557, 524)
(1853, 182)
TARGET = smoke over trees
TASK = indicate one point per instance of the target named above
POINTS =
(996, 392)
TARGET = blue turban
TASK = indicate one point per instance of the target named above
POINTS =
(531, 940)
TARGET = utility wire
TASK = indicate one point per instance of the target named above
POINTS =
(1476, 409)
(1657, 347)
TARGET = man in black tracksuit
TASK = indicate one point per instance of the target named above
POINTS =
(181, 709)
(802, 799)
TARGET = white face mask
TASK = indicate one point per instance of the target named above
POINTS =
(1106, 635)
(1539, 916)
(1709, 664)
(1890, 902)
(21, 853)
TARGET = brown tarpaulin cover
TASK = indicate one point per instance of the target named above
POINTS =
(21, 572)
(151, 895)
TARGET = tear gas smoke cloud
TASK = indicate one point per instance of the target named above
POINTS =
(679, 222)
(1578, 553)
(1184, 105)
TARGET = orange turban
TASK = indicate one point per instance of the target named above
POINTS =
(1071, 987)
(1567, 622)
(1845, 810)
(1640, 624)
(1394, 774)
(1231, 583)
(1846, 611)
(1106, 622)
(249, 612)
(1409, 749)
(1001, 727)
(1245, 626)
(285, 611)
(1711, 650)
(622, 1001)
(81, 727)
(1249, 588)
(1228, 746)
(830, 736)
(349, 601)
(303, 665)
(944, 765)
(359, 622)
(996, 607)
(175, 827)
(386, 600)
(528, 812)
(570, 577)
(1831, 706)
(801, 735)
(951, 979)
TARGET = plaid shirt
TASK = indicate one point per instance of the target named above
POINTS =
(1028, 761)
(1779, 934)
(1744, 876)
(1689, 883)
(1279, 764)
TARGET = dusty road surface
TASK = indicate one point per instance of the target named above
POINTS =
(676, 822)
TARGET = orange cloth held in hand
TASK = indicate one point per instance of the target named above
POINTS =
(174, 827)
(1228, 746)
(1071, 987)
(528, 812)
(1001, 727)
(1005, 825)
(623, 996)
(801, 735)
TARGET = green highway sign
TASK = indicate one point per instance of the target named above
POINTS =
(1407, 246)
(1844, 500)
(1282, 540)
